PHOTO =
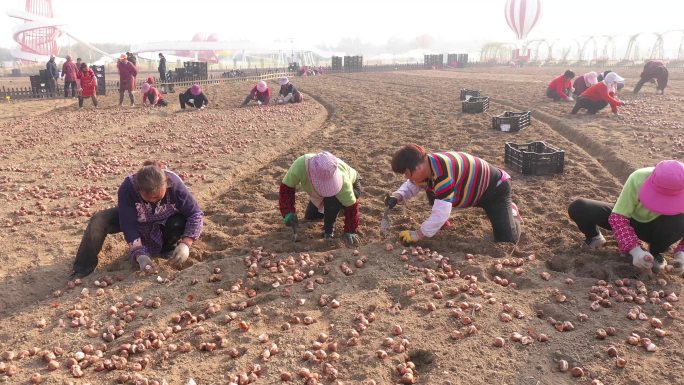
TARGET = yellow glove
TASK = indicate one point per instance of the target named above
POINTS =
(409, 236)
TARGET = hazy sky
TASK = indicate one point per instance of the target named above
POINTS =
(313, 22)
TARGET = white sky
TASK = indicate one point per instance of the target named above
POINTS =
(313, 22)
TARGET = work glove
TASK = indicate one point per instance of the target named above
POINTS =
(409, 236)
(290, 220)
(145, 263)
(351, 239)
(391, 201)
(678, 263)
(180, 254)
(570, 99)
(329, 235)
(641, 258)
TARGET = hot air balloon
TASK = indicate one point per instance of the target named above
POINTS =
(522, 15)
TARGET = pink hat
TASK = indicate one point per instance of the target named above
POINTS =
(145, 88)
(262, 86)
(591, 78)
(284, 80)
(195, 89)
(324, 175)
(663, 191)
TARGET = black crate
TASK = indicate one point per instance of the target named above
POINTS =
(511, 121)
(475, 104)
(534, 158)
(466, 92)
(37, 81)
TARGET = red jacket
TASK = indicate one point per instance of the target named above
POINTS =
(69, 71)
(560, 84)
(264, 97)
(88, 82)
(127, 74)
(598, 92)
(156, 96)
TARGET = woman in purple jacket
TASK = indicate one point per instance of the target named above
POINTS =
(157, 215)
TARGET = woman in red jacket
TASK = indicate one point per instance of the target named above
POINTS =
(260, 93)
(86, 83)
(561, 87)
(598, 96)
(127, 74)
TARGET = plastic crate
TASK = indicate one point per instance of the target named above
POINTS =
(467, 94)
(534, 158)
(475, 104)
(511, 121)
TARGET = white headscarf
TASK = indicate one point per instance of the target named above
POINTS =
(590, 78)
(611, 80)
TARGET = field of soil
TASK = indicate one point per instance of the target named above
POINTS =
(254, 307)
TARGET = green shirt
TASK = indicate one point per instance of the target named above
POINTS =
(297, 177)
(628, 203)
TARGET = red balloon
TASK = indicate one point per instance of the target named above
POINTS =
(522, 15)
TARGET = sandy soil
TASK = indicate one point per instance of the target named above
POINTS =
(59, 165)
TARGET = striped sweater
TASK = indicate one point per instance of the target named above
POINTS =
(458, 178)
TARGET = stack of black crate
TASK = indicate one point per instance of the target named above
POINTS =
(457, 60)
(353, 63)
(39, 84)
(337, 63)
(195, 70)
(436, 61)
(100, 75)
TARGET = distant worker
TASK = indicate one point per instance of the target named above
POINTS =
(598, 96)
(560, 87)
(131, 58)
(86, 81)
(261, 93)
(193, 97)
(127, 74)
(654, 70)
(52, 75)
(583, 82)
(288, 93)
(162, 71)
(151, 94)
(69, 71)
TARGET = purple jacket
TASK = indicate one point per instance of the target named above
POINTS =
(141, 221)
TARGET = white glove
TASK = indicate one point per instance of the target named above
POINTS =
(145, 263)
(180, 254)
(641, 258)
(678, 263)
(570, 99)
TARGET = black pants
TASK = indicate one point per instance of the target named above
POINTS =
(591, 107)
(130, 96)
(69, 84)
(496, 202)
(550, 92)
(331, 207)
(107, 222)
(51, 84)
(660, 233)
(249, 98)
(160, 102)
(93, 98)
(184, 101)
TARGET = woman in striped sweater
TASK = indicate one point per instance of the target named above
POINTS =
(455, 179)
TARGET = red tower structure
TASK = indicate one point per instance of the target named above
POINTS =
(38, 36)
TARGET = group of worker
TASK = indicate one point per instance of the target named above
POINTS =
(160, 217)
(593, 92)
